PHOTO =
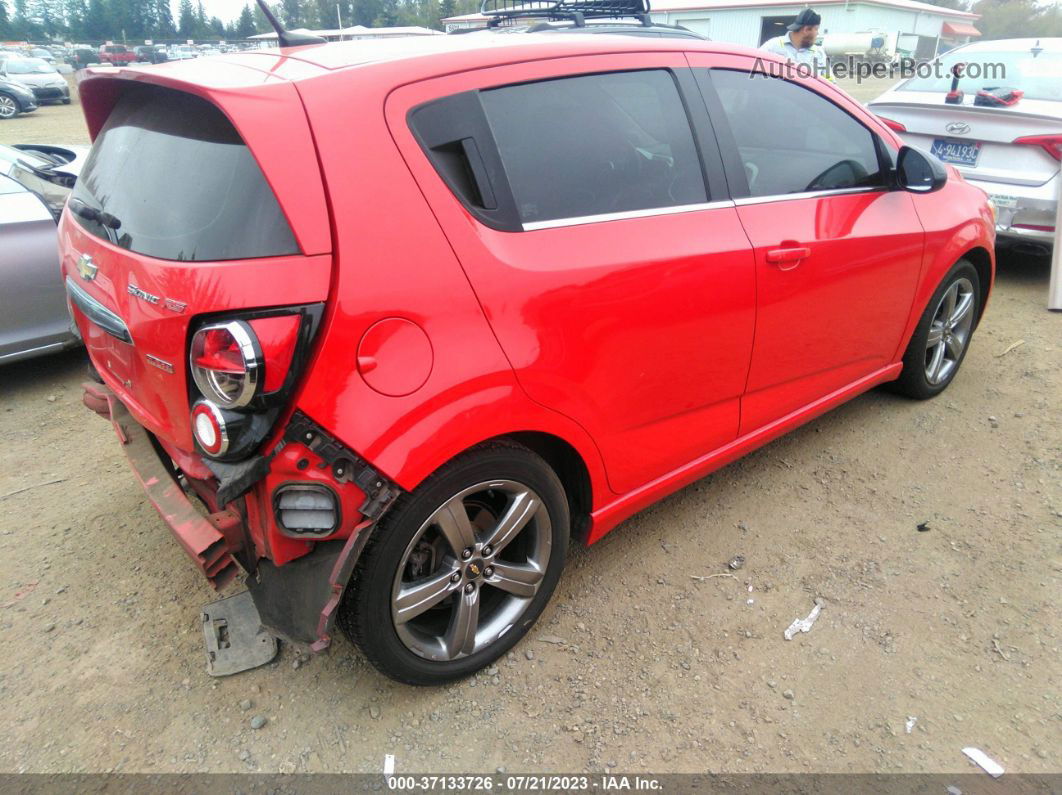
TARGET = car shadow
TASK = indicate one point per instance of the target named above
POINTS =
(66, 367)
(1020, 268)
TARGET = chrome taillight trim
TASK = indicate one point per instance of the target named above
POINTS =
(252, 362)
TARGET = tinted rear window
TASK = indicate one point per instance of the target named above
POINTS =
(181, 182)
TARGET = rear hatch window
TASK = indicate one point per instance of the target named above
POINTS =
(178, 183)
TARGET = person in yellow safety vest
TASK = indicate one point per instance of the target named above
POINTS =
(798, 45)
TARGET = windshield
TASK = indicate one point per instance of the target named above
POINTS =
(1039, 76)
(181, 182)
(27, 66)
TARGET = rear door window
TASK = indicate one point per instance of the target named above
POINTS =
(791, 140)
(595, 144)
(180, 181)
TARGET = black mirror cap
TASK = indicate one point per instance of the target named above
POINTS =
(919, 172)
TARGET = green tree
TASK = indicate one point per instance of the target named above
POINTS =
(5, 21)
(186, 21)
(1008, 19)
(95, 23)
(290, 14)
(261, 24)
(447, 8)
(217, 28)
(164, 27)
(245, 26)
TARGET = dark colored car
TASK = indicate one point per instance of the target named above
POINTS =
(150, 53)
(81, 57)
(15, 98)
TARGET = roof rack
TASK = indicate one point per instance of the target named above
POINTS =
(578, 11)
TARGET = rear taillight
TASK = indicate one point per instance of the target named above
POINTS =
(1052, 144)
(208, 425)
(895, 126)
(227, 363)
(244, 369)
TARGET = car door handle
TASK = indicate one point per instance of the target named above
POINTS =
(788, 255)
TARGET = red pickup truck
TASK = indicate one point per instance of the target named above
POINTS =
(116, 54)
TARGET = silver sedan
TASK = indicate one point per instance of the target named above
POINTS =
(1004, 132)
(34, 184)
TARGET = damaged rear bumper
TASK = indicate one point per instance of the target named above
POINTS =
(200, 536)
(297, 601)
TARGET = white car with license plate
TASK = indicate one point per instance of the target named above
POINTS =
(1011, 151)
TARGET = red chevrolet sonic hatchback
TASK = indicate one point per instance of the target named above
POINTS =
(385, 324)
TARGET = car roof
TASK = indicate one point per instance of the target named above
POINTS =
(476, 51)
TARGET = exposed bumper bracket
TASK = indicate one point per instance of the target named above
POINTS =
(198, 535)
(235, 639)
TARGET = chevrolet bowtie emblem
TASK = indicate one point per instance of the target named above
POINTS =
(87, 267)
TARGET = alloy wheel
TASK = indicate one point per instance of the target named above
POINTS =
(8, 108)
(471, 570)
(949, 331)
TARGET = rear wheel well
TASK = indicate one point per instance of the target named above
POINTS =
(982, 262)
(572, 471)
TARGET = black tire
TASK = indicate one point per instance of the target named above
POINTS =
(914, 381)
(9, 105)
(366, 615)
(66, 101)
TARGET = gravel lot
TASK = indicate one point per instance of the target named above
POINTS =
(644, 661)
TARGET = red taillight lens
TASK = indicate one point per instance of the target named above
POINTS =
(895, 126)
(1052, 144)
(209, 428)
(226, 363)
(278, 337)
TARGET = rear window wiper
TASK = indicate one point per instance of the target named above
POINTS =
(101, 217)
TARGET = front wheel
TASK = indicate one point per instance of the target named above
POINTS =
(458, 571)
(9, 107)
(942, 337)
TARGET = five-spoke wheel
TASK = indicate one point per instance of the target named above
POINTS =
(471, 570)
(460, 569)
(942, 337)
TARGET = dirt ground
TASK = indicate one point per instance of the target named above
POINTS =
(643, 661)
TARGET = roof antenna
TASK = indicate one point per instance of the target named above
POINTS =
(288, 38)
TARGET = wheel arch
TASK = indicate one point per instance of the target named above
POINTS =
(982, 262)
(572, 471)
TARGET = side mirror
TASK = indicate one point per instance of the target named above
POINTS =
(919, 172)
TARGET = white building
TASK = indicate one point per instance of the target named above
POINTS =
(922, 29)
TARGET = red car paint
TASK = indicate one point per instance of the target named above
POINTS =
(116, 54)
(654, 349)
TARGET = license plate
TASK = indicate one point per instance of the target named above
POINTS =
(961, 153)
(1003, 202)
